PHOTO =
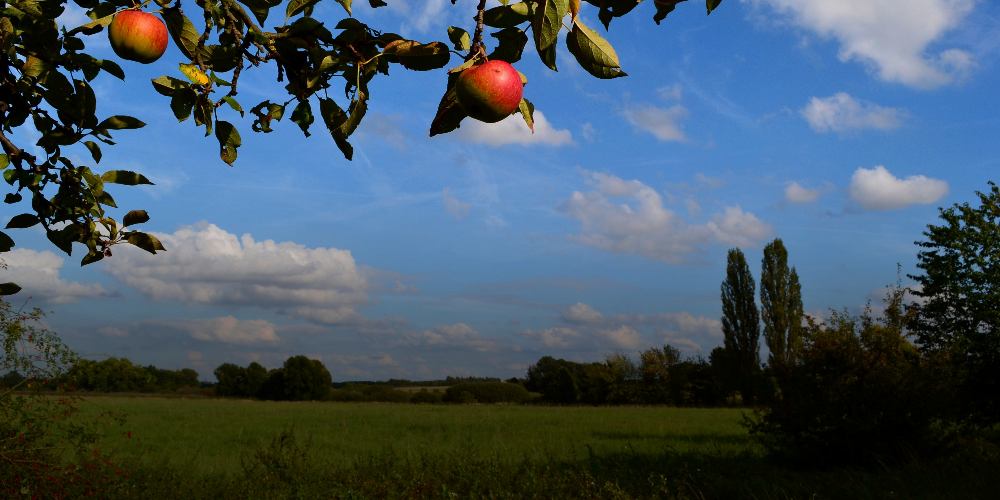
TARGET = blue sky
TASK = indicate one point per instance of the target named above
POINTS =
(839, 127)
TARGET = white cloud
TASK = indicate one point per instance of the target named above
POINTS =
(592, 330)
(226, 329)
(794, 193)
(458, 209)
(111, 331)
(561, 337)
(841, 113)
(877, 189)
(207, 265)
(37, 273)
(664, 123)
(623, 337)
(643, 226)
(891, 37)
(458, 335)
(581, 313)
(513, 130)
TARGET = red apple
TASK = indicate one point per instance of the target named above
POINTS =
(490, 91)
(138, 36)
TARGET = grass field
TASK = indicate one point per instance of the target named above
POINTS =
(227, 449)
(211, 433)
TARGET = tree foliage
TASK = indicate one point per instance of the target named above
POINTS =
(860, 392)
(46, 85)
(781, 305)
(960, 288)
(740, 321)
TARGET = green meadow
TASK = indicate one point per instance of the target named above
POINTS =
(240, 449)
(210, 434)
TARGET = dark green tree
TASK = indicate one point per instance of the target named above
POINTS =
(563, 387)
(740, 322)
(253, 379)
(960, 288)
(229, 375)
(781, 305)
(306, 379)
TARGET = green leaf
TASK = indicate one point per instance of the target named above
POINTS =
(92, 27)
(63, 239)
(92, 256)
(260, 8)
(303, 117)
(509, 16)
(146, 242)
(546, 26)
(266, 112)
(511, 46)
(125, 177)
(22, 221)
(9, 288)
(6, 243)
(594, 53)
(528, 113)
(12, 198)
(449, 114)
(95, 150)
(135, 217)
(4, 161)
(712, 4)
(233, 104)
(357, 113)
(183, 102)
(377, 3)
(346, 4)
(182, 31)
(460, 38)
(112, 68)
(662, 9)
(297, 6)
(229, 140)
(120, 122)
(418, 56)
(167, 85)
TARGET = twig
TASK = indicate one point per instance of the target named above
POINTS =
(477, 39)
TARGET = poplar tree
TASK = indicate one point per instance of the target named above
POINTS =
(740, 320)
(781, 305)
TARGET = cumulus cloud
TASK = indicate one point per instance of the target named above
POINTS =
(891, 37)
(581, 313)
(513, 130)
(642, 225)
(37, 273)
(457, 208)
(594, 331)
(795, 193)
(877, 189)
(664, 123)
(226, 329)
(458, 335)
(841, 113)
(207, 265)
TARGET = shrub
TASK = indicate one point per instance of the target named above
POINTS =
(861, 392)
(486, 393)
(369, 393)
(426, 397)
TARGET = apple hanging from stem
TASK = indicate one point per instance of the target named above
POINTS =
(138, 36)
(489, 92)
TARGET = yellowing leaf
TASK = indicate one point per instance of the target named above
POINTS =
(195, 74)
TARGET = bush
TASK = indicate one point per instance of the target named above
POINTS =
(426, 397)
(486, 393)
(365, 393)
(861, 392)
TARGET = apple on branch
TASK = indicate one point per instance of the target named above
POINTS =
(138, 36)
(489, 92)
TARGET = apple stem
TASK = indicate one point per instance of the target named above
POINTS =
(477, 39)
